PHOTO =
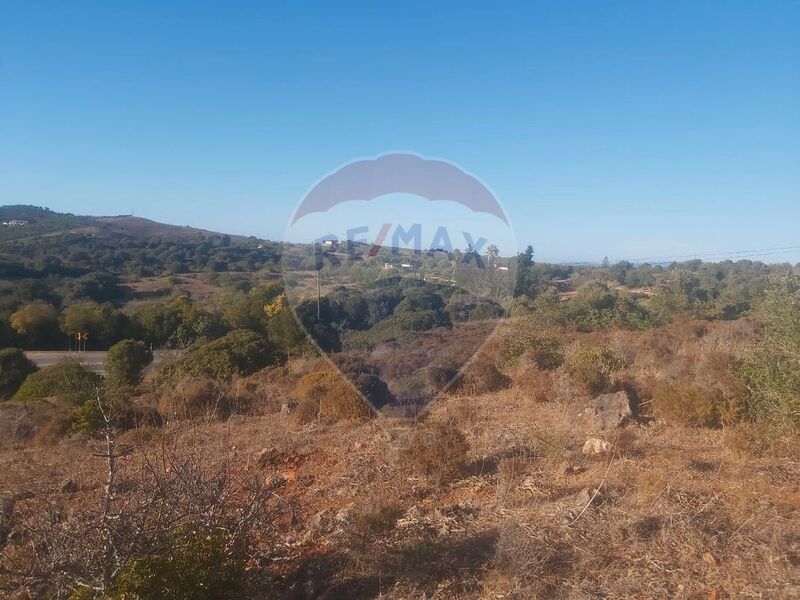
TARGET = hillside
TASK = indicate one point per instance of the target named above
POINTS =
(37, 243)
(25, 222)
(509, 492)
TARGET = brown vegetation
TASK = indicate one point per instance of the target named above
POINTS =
(488, 496)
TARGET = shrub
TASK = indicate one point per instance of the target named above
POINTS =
(121, 412)
(591, 368)
(125, 362)
(543, 350)
(327, 395)
(481, 377)
(772, 373)
(14, 368)
(690, 404)
(532, 554)
(201, 566)
(52, 430)
(67, 380)
(366, 377)
(439, 376)
(240, 352)
(438, 450)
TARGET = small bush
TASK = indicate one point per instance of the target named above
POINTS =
(438, 450)
(591, 368)
(14, 368)
(240, 352)
(327, 395)
(690, 404)
(541, 349)
(66, 380)
(530, 554)
(771, 374)
(125, 362)
(366, 377)
(482, 377)
(202, 566)
(52, 431)
(437, 377)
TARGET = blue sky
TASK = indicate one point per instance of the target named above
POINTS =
(625, 130)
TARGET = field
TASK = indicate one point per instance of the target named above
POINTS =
(666, 510)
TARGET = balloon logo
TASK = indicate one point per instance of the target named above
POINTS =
(397, 269)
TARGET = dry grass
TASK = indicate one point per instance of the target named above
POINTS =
(203, 398)
(491, 497)
(688, 403)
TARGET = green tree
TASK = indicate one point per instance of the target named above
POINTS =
(38, 322)
(125, 362)
(525, 283)
(14, 368)
(102, 322)
(284, 330)
(155, 322)
(678, 292)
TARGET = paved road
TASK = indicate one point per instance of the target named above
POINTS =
(93, 359)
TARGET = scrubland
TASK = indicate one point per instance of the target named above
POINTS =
(285, 484)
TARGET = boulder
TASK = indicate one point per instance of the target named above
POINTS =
(610, 410)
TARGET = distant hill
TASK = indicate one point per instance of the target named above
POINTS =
(38, 242)
(24, 221)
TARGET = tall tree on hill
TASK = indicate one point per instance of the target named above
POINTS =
(525, 285)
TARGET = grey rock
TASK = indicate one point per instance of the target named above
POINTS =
(610, 410)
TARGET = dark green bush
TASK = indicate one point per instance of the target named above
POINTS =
(240, 352)
(203, 566)
(125, 362)
(14, 368)
(543, 350)
(66, 380)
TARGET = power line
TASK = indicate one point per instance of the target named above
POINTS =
(739, 253)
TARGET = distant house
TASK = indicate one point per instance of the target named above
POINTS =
(15, 223)
(405, 266)
(501, 268)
